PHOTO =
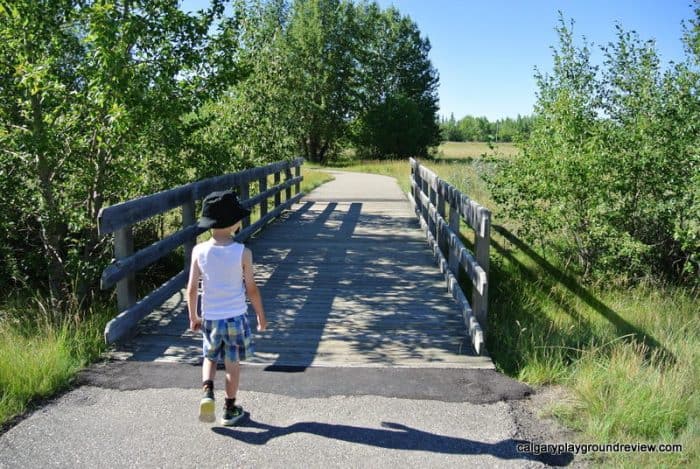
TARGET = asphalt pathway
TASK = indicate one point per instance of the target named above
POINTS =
(318, 417)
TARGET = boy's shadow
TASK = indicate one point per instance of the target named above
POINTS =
(392, 436)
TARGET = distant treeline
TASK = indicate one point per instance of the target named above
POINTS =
(480, 129)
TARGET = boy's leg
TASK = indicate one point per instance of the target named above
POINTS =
(208, 370)
(238, 348)
(207, 412)
(233, 378)
(212, 343)
(232, 412)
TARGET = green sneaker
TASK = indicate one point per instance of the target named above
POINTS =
(206, 406)
(232, 415)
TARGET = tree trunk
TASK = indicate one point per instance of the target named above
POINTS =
(323, 153)
(312, 148)
(53, 229)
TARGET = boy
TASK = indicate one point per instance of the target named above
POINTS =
(226, 270)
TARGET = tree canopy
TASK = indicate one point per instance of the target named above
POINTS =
(337, 73)
(103, 101)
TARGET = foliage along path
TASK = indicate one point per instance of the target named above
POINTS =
(365, 361)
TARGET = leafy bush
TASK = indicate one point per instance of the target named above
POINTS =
(609, 176)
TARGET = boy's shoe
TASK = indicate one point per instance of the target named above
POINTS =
(206, 406)
(232, 415)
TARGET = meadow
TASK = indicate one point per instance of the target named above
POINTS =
(461, 150)
(629, 357)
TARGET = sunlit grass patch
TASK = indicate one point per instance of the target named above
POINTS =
(313, 179)
(40, 355)
(31, 368)
(461, 150)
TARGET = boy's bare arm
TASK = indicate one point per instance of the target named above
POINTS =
(195, 272)
(252, 290)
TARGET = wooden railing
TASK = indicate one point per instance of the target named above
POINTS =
(429, 196)
(120, 218)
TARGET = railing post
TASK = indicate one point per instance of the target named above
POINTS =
(432, 196)
(278, 195)
(418, 186)
(424, 189)
(126, 288)
(297, 173)
(263, 203)
(453, 260)
(442, 236)
(244, 193)
(287, 177)
(481, 248)
(188, 219)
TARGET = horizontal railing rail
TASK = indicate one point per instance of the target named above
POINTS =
(120, 218)
(429, 196)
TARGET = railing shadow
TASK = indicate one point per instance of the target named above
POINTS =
(313, 301)
(367, 275)
(557, 276)
(392, 436)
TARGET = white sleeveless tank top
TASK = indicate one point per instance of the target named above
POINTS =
(223, 292)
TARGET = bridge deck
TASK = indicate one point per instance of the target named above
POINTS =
(347, 280)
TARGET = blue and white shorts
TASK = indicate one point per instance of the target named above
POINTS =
(230, 338)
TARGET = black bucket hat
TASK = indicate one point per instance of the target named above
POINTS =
(221, 209)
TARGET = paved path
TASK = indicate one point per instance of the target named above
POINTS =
(93, 427)
(397, 388)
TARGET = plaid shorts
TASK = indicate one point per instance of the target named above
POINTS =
(230, 338)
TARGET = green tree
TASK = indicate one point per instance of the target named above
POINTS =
(255, 120)
(549, 188)
(90, 113)
(320, 69)
(450, 131)
(398, 87)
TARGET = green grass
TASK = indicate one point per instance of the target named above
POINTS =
(629, 357)
(40, 354)
(452, 151)
(313, 178)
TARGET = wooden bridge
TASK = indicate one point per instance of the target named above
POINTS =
(346, 276)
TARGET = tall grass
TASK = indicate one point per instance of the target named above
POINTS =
(40, 352)
(313, 178)
(629, 356)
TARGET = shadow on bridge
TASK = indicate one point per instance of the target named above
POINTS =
(313, 302)
(351, 287)
(392, 436)
(342, 284)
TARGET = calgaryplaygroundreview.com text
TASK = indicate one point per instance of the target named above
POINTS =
(577, 448)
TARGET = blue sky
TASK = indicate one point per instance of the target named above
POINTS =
(486, 50)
